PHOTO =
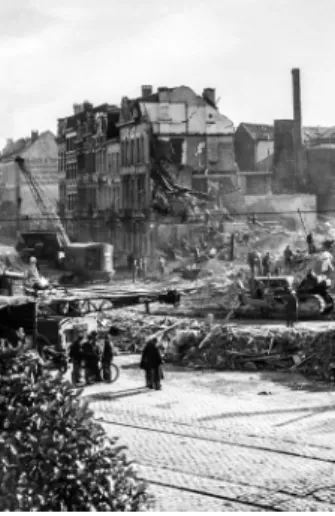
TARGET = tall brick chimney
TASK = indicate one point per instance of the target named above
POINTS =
(146, 90)
(297, 117)
(297, 105)
(209, 95)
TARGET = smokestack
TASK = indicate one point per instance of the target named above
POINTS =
(297, 107)
(297, 131)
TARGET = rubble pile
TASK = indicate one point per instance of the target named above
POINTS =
(264, 348)
(130, 330)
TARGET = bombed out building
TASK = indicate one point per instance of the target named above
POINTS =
(172, 143)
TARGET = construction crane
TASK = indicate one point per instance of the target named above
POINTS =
(41, 200)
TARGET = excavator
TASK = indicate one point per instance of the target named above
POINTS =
(83, 262)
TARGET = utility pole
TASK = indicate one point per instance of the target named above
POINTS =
(18, 198)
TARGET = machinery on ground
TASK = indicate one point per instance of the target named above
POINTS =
(267, 297)
(76, 302)
(84, 262)
(44, 245)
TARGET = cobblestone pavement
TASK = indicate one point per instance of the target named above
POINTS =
(223, 441)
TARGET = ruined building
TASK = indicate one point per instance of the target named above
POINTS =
(254, 145)
(173, 141)
(87, 181)
(40, 154)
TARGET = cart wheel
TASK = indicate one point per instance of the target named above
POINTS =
(114, 373)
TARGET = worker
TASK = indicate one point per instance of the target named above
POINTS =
(266, 263)
(326, 262)
(288, 259)
(136, 267)
(151, 362)
(76, 355)
(255, 261)
(162, 265)
(291, 308)
(33, 277)
(107, 357)
(310, 243)
(144, 267)
(91, 357)
(240, 287)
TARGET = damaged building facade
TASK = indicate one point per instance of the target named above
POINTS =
(87, 182)
(41, 156)
(172, 141)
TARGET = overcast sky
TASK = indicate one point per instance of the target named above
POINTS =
(55, 53)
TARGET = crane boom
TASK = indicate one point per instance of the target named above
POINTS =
(48, 212)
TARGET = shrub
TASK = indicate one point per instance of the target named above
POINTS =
(54, 457)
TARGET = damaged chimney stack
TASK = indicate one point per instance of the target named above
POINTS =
(209, 95)
(146, 90)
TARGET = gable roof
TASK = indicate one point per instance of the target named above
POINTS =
(259, 131)
(20, 146)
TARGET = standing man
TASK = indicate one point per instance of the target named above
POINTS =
(310, 243)
(162, 265)
(91, 357)
(288, 259)
(151, 362)
(135, 270)
(291, 308)
(266, 262)
(76, 355)
(107, 357)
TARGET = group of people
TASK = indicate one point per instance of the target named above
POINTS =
(88, 352)
(138, 267)
(262, 264)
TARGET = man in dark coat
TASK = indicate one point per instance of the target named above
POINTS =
(76, 356)
(291, 308)
(266, 262)
(151, 362)
(107, 358)
(91, 357)
(288, 259)
(310, 243)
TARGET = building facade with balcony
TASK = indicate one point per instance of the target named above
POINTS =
(82, 152)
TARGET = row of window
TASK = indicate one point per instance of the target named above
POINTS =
(113, 161)
(61, 161)
(71, 203)
(134, 192)
(133, 151)
(70, 144)
(71, 171)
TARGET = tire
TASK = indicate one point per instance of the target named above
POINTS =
(114, 372)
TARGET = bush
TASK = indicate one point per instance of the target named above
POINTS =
(54, 457)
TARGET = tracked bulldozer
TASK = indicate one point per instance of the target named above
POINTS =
(267, 297)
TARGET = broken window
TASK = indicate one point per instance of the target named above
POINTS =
(164, 111)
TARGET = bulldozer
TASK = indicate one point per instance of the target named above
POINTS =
(267, 297)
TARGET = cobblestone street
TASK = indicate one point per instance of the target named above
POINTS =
(212, 441)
